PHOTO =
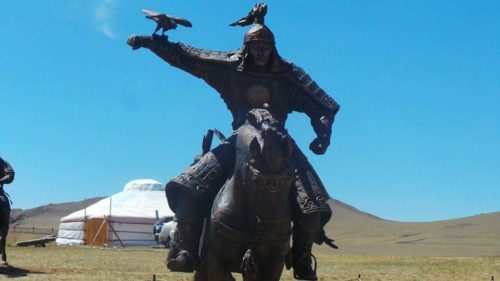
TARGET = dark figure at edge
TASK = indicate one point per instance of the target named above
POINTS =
(6, 177)
(254, 76)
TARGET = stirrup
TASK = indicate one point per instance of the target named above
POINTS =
(322, 238)
(312, 278)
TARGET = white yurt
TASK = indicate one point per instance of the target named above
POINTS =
(125, 218)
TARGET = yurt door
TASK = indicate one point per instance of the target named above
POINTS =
(96, 231)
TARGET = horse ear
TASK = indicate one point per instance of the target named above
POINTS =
(255, 148)
(252, 119)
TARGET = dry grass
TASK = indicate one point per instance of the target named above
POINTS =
(65, 263)
(375, 248)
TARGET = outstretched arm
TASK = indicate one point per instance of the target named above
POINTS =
(319, 106)
(207, 65)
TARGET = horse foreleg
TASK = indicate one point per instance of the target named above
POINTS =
(271, 271)
(212, 269)
(272, 260)
(201, 275)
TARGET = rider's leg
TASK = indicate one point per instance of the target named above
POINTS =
(310, 211)
(190, 195)
(305, 230)
(3, 244)
(183, 255)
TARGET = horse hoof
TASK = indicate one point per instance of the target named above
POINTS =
(175, 266)
(305, 277)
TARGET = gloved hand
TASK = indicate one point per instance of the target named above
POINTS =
(319, 145)
(138, 41)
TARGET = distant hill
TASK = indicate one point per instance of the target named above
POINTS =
(355, 231)
(48, 216)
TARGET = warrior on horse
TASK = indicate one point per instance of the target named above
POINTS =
(253, 77)
(6, 177)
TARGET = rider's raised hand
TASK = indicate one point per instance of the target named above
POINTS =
(319, 145)
(138, 41)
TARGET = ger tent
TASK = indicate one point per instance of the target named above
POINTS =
(127, 216)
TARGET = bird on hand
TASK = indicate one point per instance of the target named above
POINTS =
(256, 15)
(165, 22)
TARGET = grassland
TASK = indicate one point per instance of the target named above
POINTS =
(71, 263)
(459, 249)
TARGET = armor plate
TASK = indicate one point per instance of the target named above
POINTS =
(301, 79)
(204, 176)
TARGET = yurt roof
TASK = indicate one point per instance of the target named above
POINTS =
(139, 199)
(144, 185)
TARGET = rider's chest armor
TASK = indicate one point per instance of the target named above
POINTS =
(254, 90)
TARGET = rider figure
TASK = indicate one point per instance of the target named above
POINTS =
(6, 177)
(254, 76)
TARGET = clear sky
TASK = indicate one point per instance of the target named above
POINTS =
(417, 137)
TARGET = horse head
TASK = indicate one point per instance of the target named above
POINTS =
(271, 147)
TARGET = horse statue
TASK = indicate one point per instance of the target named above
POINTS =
(250, 222)
(6, 177)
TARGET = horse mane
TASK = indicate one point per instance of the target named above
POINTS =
(262, 120)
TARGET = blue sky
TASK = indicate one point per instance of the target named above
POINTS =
(417, 138)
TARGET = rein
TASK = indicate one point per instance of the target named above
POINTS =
(244, 237)
(239, 236)
(267, 182)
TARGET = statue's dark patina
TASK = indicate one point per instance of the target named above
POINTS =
(6, 177)
(249, 227)
(253, 77)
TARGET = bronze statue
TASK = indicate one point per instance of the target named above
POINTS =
(6, 177)
(253, 77)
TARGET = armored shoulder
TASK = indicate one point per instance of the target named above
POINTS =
(299, 77)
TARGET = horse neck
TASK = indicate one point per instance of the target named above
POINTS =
(257, 204)
(233, 204)
(243, 202)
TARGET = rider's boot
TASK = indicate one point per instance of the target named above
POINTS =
(302, 254)
(183, 255)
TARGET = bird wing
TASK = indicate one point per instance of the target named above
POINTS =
(181, 21)
(151, 13)
(158, 17)
(255, 15)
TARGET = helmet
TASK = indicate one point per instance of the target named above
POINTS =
(259, 32)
